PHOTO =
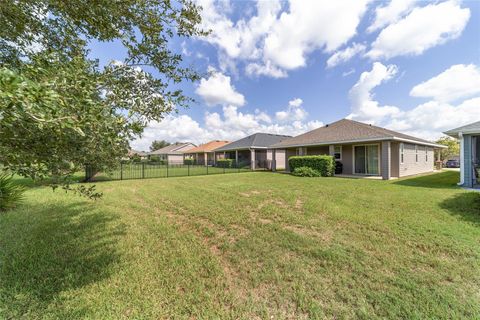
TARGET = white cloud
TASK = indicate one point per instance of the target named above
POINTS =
(345, 54)
(458, 81)
(218, 90)
(422, 29)
(294, 111)
(265, 69)
(349, 72)
(273, 42)
(231, 124)
(390, 13)
(427, 120)
(364, 107)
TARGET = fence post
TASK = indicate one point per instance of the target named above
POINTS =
(224, 165)
(167, 169)
(188, 165)
(207, 168)
(143, 170)
(121, 170)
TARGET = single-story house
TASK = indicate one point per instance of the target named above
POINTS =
(363, 149)
(134, 153)
(203, 154)
(174, 153)
(469, 137)
(251, 151)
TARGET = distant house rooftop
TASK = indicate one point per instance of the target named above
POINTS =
(469, 128)
(208, 147)
(176, 148)
(348, 131)
(254, 141)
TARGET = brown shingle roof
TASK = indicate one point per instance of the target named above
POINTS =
(172, 149)
(208, 147)
(346, 130)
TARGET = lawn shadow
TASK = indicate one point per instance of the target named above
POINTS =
(466, 205)
(442, 180)
(56, 248)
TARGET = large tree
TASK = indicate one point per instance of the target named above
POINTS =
(60, 110)
(159, 144)
(453, 147)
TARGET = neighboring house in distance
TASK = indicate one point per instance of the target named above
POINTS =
(363, 149)
(252, 150)
(141, 154)
(203, 154)
(469, 137)
(173, 153)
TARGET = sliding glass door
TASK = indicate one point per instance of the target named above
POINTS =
(367, 159)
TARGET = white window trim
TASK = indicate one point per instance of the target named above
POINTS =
(341, 153)
(402, 153)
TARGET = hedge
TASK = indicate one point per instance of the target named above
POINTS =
(189, 161)
(306, 172)
(225, 163)
(325, 165)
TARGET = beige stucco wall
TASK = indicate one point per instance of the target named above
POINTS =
(410, 166)
(175, 159)
(395, 169)
(316, 151)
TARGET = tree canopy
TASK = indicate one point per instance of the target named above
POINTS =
(453, 147)
(159, 144)
(59, 109)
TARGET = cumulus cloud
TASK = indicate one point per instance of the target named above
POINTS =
(424, 28)
(427, 120)
(218, 90)
(273, 42)
(230, 124)
(458, 81)
(364, 107)
(390, 13)
(345, 54)
(294, 111)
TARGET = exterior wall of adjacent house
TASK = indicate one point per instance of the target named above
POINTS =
(395, 149)
(175, 159)
(279, 158)
(410, 165)
(317, 151)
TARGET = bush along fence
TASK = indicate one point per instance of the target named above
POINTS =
(148, 169)
(312, 166)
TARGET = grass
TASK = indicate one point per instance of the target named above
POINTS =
(253, 245)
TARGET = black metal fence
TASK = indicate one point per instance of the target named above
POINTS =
(146, 170)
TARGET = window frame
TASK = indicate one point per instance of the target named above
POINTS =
(402, 153)
(335, 152)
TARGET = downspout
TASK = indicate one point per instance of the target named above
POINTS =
(462, 159)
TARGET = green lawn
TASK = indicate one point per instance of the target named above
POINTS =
(251, 245)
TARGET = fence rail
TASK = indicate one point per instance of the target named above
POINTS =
(146, 170)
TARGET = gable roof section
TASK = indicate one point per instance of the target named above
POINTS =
(257, 140)
(469, 128)
(348, 131)
(208, 147)
(175, 148)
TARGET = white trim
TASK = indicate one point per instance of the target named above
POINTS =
(379, 159)
(359, 141)
(462, 158)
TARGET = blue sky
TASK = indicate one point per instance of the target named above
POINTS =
(290, 66)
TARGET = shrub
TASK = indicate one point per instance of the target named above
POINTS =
(188, 161)
(225, 163)
(325, 165)
(154, 158)
(306, 172)
(338, 167)
(11, 194)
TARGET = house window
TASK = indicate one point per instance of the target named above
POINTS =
(402, 154)
(416, 153)
(338, 153)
